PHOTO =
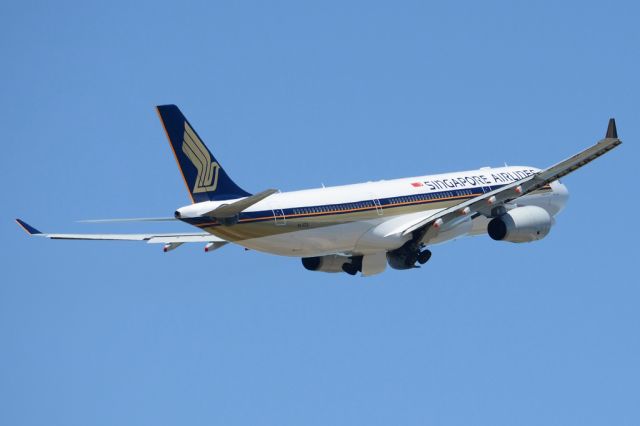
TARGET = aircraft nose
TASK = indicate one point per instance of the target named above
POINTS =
(560, 196)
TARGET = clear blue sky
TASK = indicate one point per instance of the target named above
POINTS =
(291, 95)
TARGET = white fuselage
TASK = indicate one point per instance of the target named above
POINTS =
(366, 217)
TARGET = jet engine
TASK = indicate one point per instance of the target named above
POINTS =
(333, 263)
(521, 225)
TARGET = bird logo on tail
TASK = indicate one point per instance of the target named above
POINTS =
(196, 152)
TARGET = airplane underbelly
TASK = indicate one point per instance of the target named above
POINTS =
(311, 242)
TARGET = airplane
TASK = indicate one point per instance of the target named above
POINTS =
(361, 227)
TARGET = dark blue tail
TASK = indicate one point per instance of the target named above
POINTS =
(205, 178)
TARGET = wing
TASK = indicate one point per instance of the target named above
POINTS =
(170, 241)
(486, 203)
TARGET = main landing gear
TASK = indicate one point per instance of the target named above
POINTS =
(408, 255)
(354, 267)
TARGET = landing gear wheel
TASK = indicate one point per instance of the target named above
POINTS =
(424, 257)
(350, 269)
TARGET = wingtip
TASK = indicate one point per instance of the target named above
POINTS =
(612, 131)
(27, 228)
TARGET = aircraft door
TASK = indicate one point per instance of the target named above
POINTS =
(280, 219)
(376, 203)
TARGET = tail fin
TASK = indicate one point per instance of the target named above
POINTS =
(205, 178)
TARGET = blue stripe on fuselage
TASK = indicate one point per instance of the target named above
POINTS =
(350, 207)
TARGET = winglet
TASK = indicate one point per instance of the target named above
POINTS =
(28, 228)
(612, 132)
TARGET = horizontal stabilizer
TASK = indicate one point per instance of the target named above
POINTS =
(230, 210)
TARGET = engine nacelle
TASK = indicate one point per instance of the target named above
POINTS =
(330, 263)
(521, 225)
